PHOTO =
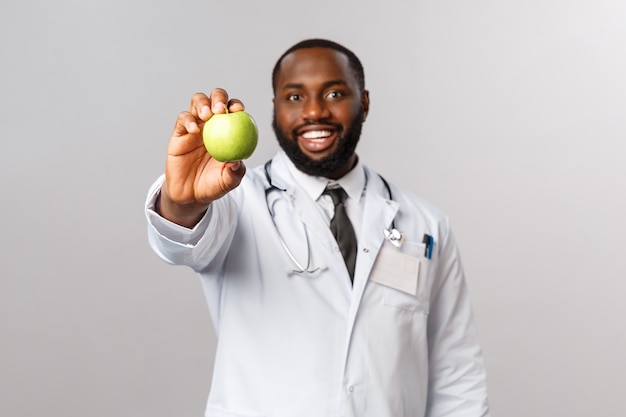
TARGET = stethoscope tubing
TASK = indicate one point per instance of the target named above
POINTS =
(392, 234)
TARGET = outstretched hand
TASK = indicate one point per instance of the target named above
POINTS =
(193, 179)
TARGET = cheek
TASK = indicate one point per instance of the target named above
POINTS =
(286, 116)
(347, 114)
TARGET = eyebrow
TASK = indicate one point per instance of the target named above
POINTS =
(326, 84)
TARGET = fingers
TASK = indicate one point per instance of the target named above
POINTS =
(200, 106)
(235, 105)
(186, 123)
(219, 100)
(199, 112)
(204, 107)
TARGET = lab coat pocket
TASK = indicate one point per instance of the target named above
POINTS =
(403, 275)
(393, 298)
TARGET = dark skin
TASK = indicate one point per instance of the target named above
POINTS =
(316, 97)
(193, 179)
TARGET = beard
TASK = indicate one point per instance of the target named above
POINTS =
(330, 164)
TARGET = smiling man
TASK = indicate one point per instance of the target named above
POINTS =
(332, 292)
(318, 110)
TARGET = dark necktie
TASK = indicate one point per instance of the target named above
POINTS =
(342, 228)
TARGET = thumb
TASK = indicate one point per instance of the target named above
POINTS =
(235, 166)
(232, 174)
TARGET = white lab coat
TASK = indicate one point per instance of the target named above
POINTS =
(300, 345)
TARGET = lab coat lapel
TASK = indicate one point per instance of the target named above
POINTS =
(378, 214)
(304, 207)
(310, 214)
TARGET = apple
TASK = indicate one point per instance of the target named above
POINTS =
(230, 136)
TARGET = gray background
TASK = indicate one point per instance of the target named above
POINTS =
(507, 114)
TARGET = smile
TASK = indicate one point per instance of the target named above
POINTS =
(316, 139)
(317, 134)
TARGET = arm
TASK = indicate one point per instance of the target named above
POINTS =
(457, 381)
(207, 242)
(189, 222)
(193, 179)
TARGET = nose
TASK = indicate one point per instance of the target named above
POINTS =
(315, 109)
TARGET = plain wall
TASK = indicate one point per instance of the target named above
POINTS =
(510, 115)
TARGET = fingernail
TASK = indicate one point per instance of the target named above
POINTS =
(219, 107)
(192, 126)
(235, 166)
(205, 110)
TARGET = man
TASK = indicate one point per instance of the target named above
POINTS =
(384, 330)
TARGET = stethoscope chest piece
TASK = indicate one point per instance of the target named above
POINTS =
(394, 237)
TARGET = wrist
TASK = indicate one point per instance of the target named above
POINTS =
(183, 214)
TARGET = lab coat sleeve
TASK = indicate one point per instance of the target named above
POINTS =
(457, 383)
(199, 247)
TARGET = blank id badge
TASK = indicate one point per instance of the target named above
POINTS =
(399, 270)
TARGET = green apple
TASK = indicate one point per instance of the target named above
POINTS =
(230, 136)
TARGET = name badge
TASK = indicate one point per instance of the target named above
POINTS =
(396, 270)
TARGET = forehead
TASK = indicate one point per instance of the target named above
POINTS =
(309, 66)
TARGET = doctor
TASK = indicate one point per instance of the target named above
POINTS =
(386, 331)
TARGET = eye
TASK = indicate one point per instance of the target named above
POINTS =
(334, 94)
(294, 97)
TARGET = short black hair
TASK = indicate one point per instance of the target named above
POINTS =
(355, 63)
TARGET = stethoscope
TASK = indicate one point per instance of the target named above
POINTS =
(392, 234)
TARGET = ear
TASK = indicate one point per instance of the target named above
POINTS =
(365, 102)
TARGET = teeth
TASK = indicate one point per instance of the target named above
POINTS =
(316, 134)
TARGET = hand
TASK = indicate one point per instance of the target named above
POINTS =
(193, 179)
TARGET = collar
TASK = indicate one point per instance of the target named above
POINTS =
(353, 182)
